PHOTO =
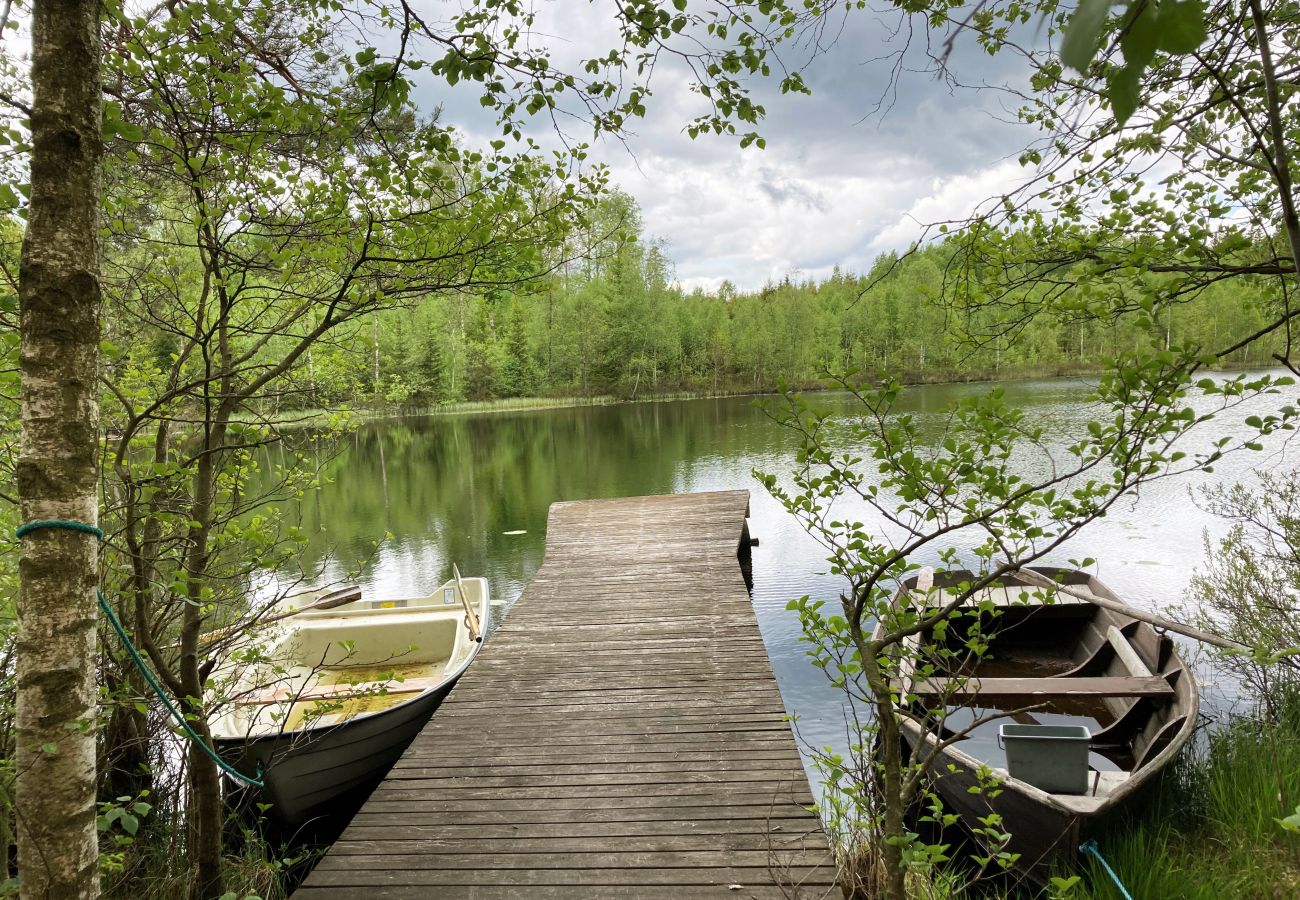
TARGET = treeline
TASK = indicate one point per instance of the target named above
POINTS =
(620, 325)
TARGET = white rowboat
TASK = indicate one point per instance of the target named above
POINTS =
(336, 695)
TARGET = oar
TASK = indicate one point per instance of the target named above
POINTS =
(1132, 612)
(338, 597)
(470, 619)
(912, 645)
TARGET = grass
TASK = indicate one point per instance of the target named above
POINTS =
(1209, 829)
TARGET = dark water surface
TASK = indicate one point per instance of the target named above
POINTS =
(452, 488)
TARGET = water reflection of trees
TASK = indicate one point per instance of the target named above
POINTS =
(447, 488)
(457, 483)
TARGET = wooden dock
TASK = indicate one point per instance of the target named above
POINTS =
(620, 736)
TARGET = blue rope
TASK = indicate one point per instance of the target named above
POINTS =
(176, 714)
(1090, 847)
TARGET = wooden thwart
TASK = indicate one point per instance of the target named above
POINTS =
(1127, 655)
(1042, 688)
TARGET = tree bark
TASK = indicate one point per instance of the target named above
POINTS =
(206, 816)
(57, 469)
(205, 812)
(893, 799)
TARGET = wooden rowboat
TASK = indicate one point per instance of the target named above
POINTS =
(1067, 662)
(337, 695)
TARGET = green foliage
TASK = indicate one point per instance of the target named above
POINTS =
(125, 813)
(1094, 233)
(118, 824)
(1291, 823)
(1059, 888)
(1141, 28)
(1246, 588)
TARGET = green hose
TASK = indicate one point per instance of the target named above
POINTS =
(176, 714)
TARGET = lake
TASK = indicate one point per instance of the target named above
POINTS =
(474, 490)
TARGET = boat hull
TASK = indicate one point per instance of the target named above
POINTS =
(305, 775)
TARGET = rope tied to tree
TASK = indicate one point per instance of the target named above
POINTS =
(1090, 847)
(176, 714)
(65, 524)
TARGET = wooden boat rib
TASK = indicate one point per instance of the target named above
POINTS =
(337, 695)
(1068, 661)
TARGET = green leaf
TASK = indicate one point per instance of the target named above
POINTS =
(1083, 34)
(1182, 26)
(1123, 90)
(1141, 34)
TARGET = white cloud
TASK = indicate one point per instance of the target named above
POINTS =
(950, 198)
(755, 218)
(829, 189)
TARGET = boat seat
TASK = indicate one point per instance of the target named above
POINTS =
(343, 691)
(1043, 688)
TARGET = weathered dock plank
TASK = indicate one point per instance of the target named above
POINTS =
(620, 736)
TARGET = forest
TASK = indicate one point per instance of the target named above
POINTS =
(619, 324)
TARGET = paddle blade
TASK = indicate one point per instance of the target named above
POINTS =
(337, 598)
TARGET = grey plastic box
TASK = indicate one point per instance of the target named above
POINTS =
(1053, 758)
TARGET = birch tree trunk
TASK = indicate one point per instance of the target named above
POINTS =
(57, 469)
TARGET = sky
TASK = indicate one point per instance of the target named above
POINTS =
(838, 184)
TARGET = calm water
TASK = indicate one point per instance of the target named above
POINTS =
(453, 488)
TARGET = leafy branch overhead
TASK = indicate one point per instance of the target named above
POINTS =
(1140, 29)
(1186, 187)
(494, 43)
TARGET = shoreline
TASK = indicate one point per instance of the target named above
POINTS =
(310, 418)
(314, 418)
